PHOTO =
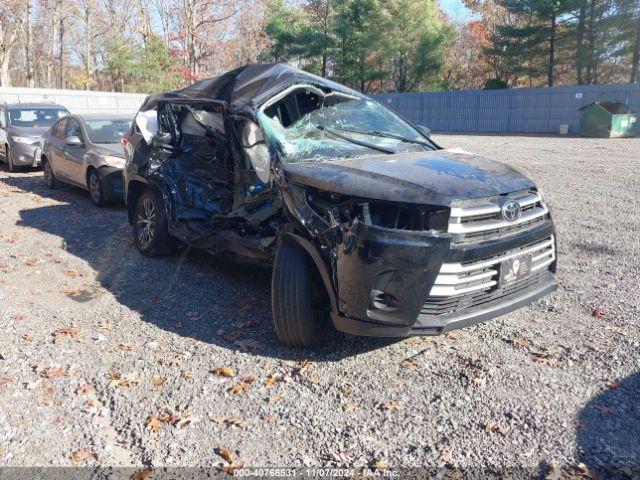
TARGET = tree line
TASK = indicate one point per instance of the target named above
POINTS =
(369, 45)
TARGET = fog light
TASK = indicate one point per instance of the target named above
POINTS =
(21, 158)
(383, 301)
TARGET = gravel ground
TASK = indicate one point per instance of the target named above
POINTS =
(109, 358)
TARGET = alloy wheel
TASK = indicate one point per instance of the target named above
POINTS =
(94, 188)
(146, 222)
(48, 173)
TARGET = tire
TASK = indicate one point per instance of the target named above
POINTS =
(50, 179)
(8, 156)
(96, 190)
(151, 226)
(299, 301)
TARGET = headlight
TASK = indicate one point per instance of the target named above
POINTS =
(115, 162)
(27, 140)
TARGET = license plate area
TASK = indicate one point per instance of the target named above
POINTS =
(515, 269)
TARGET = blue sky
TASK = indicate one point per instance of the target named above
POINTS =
(456, 10)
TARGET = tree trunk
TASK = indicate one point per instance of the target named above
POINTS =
(87, 52)
(52, 45)
(580, 46)
(635, 61)
(28, 54)
(552, 51)
(7, 42)
(591, 36)
(61, 57)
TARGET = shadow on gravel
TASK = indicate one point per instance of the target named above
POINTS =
(190, 293)
(608, 432)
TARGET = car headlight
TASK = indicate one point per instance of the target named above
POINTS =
(115, 162)
(27, 140)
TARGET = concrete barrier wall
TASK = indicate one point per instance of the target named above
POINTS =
(522, 110)
(76, 101)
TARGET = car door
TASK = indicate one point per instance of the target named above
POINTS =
(53, 147)
(73, 155)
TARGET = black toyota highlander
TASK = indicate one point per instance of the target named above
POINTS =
(368, 223)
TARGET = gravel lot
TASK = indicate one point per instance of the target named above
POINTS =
(109, 358)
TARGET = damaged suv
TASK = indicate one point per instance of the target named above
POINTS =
(370, 226)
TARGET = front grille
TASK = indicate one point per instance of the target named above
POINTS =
(481, 220)
(470, 284)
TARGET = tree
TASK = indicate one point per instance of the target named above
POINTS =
(417, 42)
(9, 25)
(541, 32)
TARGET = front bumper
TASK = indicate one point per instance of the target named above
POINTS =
(111, 179)
(25, 154)
(453, 322)
(405, 266)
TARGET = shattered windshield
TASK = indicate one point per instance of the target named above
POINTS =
(339, 127)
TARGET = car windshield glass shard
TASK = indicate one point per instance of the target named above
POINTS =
(107, 130)
(35, 117)
(366, 128)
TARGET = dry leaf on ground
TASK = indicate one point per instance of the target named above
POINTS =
(224, 372)
(241, 387)
(81, 455)
(153, 424)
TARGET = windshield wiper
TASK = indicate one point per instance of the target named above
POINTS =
(379, 133)
(356, 142)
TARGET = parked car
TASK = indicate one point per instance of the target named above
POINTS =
(86, 151)
(21, 127)
(369, 223)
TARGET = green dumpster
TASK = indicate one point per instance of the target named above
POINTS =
(607, 120)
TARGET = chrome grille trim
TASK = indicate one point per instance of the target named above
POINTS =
(456, 279)
(482, 220)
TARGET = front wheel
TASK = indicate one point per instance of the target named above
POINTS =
(50, 179)
(8, 155)
(150, 226)
(95, 188)
(299, 301)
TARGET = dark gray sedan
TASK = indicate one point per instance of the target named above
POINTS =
(86, 151)
(21, 128)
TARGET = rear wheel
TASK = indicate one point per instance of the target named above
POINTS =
(95, 188)
(151, 226)
(299, 300)
(50, 179)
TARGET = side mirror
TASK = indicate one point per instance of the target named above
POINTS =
(161, 140)
(424, 130)
(74, 141)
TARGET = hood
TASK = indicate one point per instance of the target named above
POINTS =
(113, 149)
(27, 131)
(438, 177)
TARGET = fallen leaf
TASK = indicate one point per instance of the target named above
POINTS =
(274, 398)
(598, 313)
(153, 424)
(224, 372)
(409, 364)
(552, 362)
(272, 379)
(248, 344)
(520, 342)
(142, 474)
(390, 405)
(126, 346)
(241, 387)
(248, 379)
(105, 325)
(218, 420)
(186, 374)
(72, 332)
(52, 372)
(456, 474)
(27, 337)
(226, 454)
(237, 421)
(71, 273)
(81, 455)
(452, 335)
(158, 381)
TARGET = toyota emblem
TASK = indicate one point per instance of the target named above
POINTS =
(511, 211)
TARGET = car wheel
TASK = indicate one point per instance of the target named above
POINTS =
(95, 188)
(50, 179)
(9, 158)
(150, 226)
(299, 300)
